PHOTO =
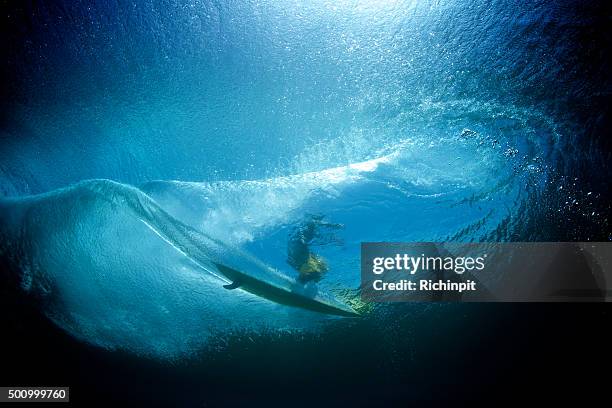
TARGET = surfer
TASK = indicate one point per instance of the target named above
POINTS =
(310, 266)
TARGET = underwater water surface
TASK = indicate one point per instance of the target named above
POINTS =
(244, 121)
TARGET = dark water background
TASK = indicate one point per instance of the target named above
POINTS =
(207, 91)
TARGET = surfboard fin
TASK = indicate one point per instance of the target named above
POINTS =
(235, 284)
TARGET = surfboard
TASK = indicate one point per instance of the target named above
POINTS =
(285, 290)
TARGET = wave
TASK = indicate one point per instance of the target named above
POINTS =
(137, 268)
(111, 267)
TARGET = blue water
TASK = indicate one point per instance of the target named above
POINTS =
(398, 120)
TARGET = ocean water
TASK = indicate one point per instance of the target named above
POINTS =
(127, 123)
